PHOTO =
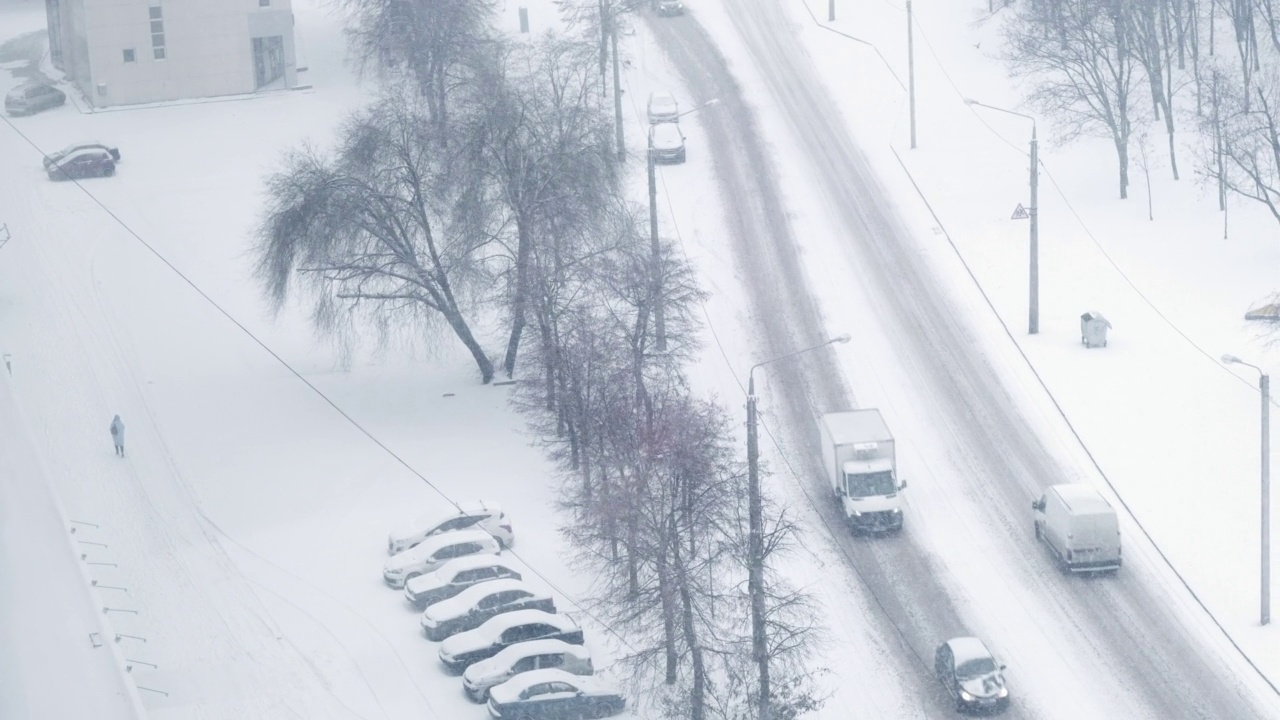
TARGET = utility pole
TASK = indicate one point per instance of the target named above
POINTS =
(831, 10)
(755, 537)
(655, 254)
(911, 77)
(1265, 384)
(617, 84)
(1033, 325)
(755, 558)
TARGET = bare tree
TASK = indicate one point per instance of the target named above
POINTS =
(1246, 156)
(390, 226)
(545, 143)
(429, 43)
(1085, 81)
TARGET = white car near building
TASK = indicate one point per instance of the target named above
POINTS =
(480, 514)
(430, 554)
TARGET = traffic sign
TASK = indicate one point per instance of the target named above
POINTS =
(1020, 213)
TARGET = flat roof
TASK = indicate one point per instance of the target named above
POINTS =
(1082, 499)
(857, 426)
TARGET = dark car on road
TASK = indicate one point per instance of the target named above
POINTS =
(554, 694)
(32, 98)
(462, 650)
(971, 675)
(83, 164)
(52, 158)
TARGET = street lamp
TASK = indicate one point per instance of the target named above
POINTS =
(755, 520)
(1264, 384)
(1033, 326)
(655, 247)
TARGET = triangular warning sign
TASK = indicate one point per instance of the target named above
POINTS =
(1020, 213)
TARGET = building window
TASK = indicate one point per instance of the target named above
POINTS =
(129, 55)
(157, 32)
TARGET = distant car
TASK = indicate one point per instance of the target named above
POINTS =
(668, 143)
(83, 164)
(470, 608)
(971, 675)
(32, 98)
(554, 694)
(1079, 526)
(663, 108)
(504, 631)
(524, 657)
(455, 576)
(52, 158)
(670, 7)
(430, 554)
(482, 514)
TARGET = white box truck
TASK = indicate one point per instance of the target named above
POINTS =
(858, 454)
(1079, 526)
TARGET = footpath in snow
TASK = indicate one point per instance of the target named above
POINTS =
(49, 665)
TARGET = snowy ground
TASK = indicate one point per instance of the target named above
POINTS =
(248, 521)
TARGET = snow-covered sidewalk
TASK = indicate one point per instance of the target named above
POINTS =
(58, 658)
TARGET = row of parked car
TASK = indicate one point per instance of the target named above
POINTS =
(503, 635)
(73, 162)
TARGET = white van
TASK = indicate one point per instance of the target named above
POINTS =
(1079, 526)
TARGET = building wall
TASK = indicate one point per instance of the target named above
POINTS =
(208, 48)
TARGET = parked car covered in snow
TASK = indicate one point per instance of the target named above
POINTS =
(663, 108)
(506, 630)
(52, 158)
(32, 98)
(455, 576)
(521, 658)
(435, 551)
(471, 607)
(667, 143)
(554, 694)
(83, 164)
(481, 514)
(971, 675)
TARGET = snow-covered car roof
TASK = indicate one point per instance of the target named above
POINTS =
(79, 153)
(446, 572)
(1083, 499)
(459, 604)
(491, 631)
(510, 690)
(513, 653)
(662, 98)
(425, 522)
(428, 547)
(21, 90)
(968, 648)
(667, 136)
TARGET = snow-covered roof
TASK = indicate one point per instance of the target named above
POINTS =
(426, 522)
(1082, 499)
(513, 653)
(511, 689)
(968, 648)
(445, 573)
(857, 426)
(428, 547)
(462, 602)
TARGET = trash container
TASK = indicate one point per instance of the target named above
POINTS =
(1093, 329)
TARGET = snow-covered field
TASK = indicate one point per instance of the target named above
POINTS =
(249, 519)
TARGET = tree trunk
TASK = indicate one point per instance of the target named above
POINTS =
(524, 253)
(667, 599)
(1123, 154)
(463, 331)
(697, 694)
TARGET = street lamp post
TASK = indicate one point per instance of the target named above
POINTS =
(755, 541)
(1264, 385)
(655, 247)
(1033, 324)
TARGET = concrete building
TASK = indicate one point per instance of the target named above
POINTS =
(126, 52)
